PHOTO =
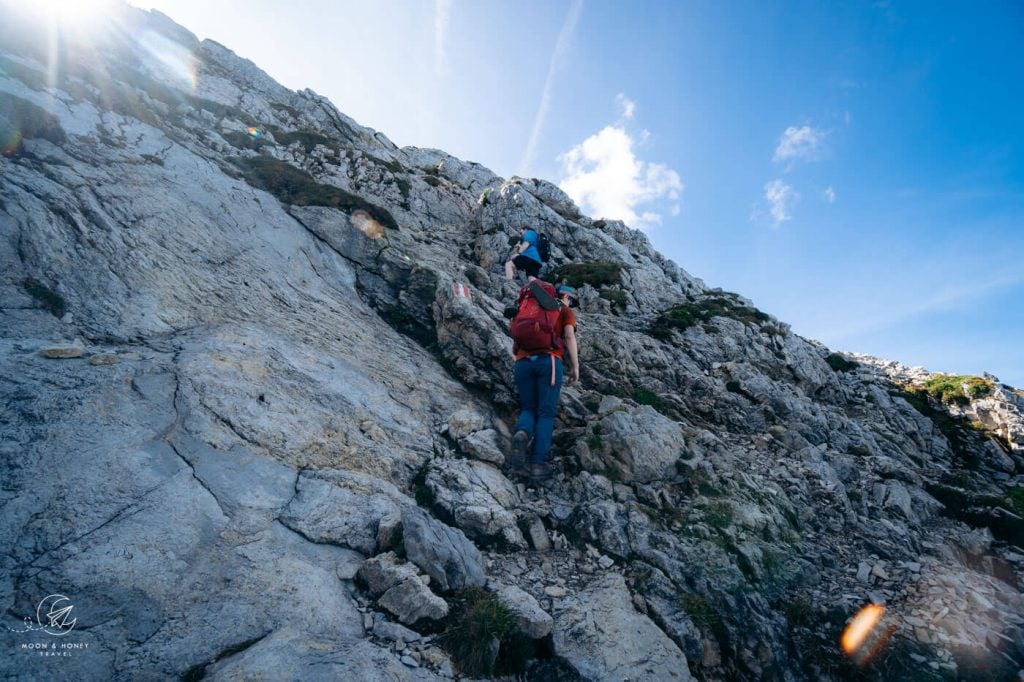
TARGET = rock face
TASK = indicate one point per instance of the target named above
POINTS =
(240, 375)
(602, 637)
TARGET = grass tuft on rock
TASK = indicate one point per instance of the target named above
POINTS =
(306, 138)
(294, 186)
(595, 273)
(718, 304)
(617, 297)
(478, 622)
(957, 389)
(840, 364)
(645, 397)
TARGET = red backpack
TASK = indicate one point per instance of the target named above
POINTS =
(533, 327)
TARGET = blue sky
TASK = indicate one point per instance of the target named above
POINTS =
(855, 168)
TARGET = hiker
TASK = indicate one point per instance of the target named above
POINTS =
(526, 256)
(545, 313)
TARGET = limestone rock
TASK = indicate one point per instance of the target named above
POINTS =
(62, 352)
(384, 571)
(103, 359)
(483, 445)
(411, 600)
(531, 619)
(478, 498)
(641, 445)
(342, 507)
(600, 634)
(443, 553)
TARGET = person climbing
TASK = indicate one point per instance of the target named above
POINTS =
(543, 331)
(526, 257)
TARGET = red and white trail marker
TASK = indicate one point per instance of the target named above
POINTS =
(461, 290)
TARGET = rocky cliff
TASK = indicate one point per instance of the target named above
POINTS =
(255, 388)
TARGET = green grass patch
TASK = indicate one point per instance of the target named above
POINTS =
(596, 273)
(957, 389)
(243, 140)
(840, 364)
(307, 139)
(1014, 500)
(645, 397)
(720, 304)
(718, 514)
(595, 442)
(422, 492)
(617, 297)
(477, 619)
(294, 186)
(48, 298)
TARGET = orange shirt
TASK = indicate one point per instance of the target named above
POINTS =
(566, 317)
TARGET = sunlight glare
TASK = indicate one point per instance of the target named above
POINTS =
(77, 15)
(863, 638)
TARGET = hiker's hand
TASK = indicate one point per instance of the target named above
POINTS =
(574, 376)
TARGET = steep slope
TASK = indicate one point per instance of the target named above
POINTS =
(236, 371)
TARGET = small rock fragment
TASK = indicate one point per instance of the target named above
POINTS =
(62, 352)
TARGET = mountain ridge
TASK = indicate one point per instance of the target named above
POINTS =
(281, 374)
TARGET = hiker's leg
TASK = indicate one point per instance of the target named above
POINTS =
(510, 270)
(547, 408)
(526, 386)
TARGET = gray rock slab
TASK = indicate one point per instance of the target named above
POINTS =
(384, 571)
(411, 601)
(478, 498)
(601, 635)
(342, 508)
(531, 619)
(442, 552)
(290, 654)
(642, 445)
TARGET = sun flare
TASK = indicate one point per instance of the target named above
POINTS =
(79, 15)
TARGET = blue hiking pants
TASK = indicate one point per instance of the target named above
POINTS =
(538, 401)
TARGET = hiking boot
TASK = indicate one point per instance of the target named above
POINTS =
(540, 472)
(517, 458)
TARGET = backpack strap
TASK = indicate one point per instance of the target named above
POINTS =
(546, 300)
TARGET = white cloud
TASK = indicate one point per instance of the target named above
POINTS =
(627, 105)
(561, 47)
(442, 17)
(800, 144)
(781, 199)
(604, 176)
(830, 195)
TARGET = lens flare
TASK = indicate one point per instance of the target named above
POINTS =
(365, 223)
(865, 636)
(166, 57)
(10, 142)
(254, 133)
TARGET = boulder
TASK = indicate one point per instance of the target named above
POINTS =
(641, 445)
(411, 600)
(531, 619)
(599, 633)
(384, 571)
(478, 498)
(342, 507)
(442, 552)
